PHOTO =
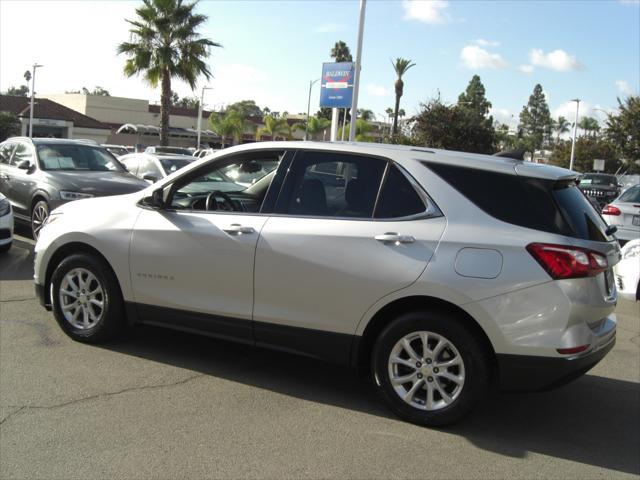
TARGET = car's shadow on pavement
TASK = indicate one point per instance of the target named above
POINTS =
(594, 420)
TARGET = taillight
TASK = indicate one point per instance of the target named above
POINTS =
(611, 210)
(572, 351)
(564, 261)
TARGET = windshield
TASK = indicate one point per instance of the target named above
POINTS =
(170, 165)
(608, 180)
(117, 151)
(632, 195)
(250, 172)
(77, 157)
(177, 150)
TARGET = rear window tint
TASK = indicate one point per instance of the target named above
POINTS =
(528, 202)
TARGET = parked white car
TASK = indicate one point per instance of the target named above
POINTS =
(6, 224)
(627, 271)
(439, 272)
(624, 213)
(154, 166)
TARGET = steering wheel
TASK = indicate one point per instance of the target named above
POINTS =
(212, 203)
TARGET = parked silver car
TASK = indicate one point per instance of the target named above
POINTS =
(154, 166)
(624, 213)
(439, 272)
(40, 174)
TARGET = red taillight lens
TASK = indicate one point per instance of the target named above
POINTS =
(564, 261)
(611, 210)
(572, 351)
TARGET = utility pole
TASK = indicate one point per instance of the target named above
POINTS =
(33, 86)
(356, 82)
(575, 129)
(200, 113)
(306, 126)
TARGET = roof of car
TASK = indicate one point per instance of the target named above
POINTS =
(57, 141)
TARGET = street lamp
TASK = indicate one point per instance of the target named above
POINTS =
(33, 86)
(200, 112)
(306, 127)
(356, 80)
(575, 130)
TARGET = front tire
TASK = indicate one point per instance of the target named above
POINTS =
(86, 299)
(39, 215)
(429, 368)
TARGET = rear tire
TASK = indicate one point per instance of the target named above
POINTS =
(435, 386)
(39, 215)
(86, 299)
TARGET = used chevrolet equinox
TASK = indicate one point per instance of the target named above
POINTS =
(441, 273)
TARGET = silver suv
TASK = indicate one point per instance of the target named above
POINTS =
(438, 272)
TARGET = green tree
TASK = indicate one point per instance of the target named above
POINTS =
(400, 66)
(589, 126)
(317, 125)
(188, 102)
(9, 125)
(588, 149)
(246, 109)
(363, 128)
(561, 126)
(366, 114)
(228, 126)
(341, 53)
(165, 44)
(623, 131)
(473, 98)
(21, 91)
(273, 126)
(535, 120)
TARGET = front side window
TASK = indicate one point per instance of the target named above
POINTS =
(5, 152)
(330, 184)
(23, 152)
(77, 157)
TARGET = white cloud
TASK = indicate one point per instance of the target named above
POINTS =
(475, 57)
(330, 28)
(505, 116)
(427, 11)
(526, 68)
(377, 90)
(568, 111)
(624, 87)
(558, 60)
(486, 43)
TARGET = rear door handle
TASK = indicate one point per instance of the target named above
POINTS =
(392, 237)
(237, 229)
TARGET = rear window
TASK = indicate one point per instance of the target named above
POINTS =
(546, 205)
(632, 195)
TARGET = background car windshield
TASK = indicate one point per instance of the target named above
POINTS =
(177, 150)
(599, 180)
(77, 157)
(170, 165)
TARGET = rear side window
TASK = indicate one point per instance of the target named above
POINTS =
(398, 197)
(546, 205)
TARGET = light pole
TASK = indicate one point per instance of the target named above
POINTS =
(575, 130)
(356, 81)
(306, 125)
(33, 86)
(200, 112)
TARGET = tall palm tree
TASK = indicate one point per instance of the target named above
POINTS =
(229, 125)
(317, 125)
(561, 126)
(362, 130)
(165, 44)
(273, 126)
(400, 66)
(341, 53)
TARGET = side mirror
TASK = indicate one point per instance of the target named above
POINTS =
(151, 178)
(24, 165)
(156, 200)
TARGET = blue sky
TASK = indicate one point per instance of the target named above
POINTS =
(586, 49)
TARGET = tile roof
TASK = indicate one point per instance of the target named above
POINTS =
(45, 108)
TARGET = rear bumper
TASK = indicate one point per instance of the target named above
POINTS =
(526, 373)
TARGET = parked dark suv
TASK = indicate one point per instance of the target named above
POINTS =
(37, 175)
(601, 187)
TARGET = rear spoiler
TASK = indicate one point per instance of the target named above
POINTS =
(514, 154)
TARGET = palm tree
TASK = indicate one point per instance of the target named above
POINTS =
(165, 44)
(229, 125)
(366, 115)
(273, 126)
(401, 66)
(317, 125)
(362, 129)
(341, 53)
(561, 126)
(589, 125)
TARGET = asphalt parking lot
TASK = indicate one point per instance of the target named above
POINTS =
(161, 404)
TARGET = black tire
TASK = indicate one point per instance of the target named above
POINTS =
(112, 318)
(39, 214)
(5, 248)
(470, 349)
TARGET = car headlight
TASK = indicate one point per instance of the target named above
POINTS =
(5, 207)
(64, 195)
(632, 252)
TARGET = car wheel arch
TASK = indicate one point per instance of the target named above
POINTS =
(363, 345)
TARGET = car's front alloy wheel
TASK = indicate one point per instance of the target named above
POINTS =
(39, 216)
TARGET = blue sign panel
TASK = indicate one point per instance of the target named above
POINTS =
(336, 87)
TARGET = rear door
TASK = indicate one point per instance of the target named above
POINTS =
(23, 181)
(348, 230)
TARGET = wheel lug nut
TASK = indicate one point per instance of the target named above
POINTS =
(436, 370)
(419, 375)
(418, 364)
(429, 379)
(428, 360)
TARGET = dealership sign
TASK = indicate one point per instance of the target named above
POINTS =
(336, 87)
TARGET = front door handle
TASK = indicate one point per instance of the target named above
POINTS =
(237, 229)
(393, 237)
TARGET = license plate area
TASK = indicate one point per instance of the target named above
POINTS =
(636, 220)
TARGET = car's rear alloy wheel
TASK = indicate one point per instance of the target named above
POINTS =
(86, 298)
(39, 215)
(426, 370)
(430, 367)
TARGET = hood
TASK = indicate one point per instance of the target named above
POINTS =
(98, 184)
